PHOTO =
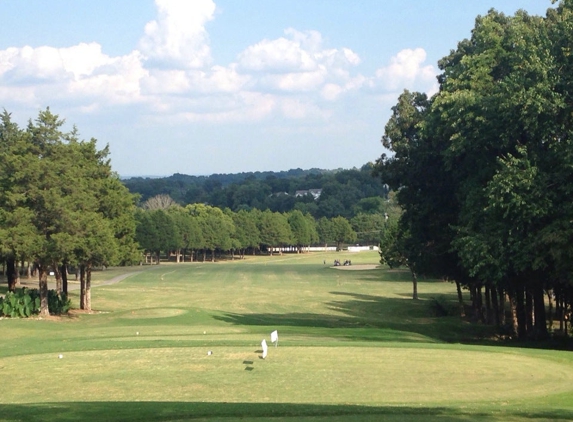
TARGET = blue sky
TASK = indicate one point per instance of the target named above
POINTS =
(223, 86)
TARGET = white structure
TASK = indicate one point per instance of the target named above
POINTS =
(362, 248)
(275, 338)
(314, 192)
(265, 348)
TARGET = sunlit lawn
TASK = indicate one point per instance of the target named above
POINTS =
(353, 345)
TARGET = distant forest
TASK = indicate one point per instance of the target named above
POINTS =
(343, 193)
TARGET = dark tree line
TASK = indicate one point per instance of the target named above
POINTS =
(200, 232)
(483, 171)
(60, 205)
(344, 192)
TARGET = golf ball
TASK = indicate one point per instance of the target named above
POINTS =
(137, 333)
(60, 356)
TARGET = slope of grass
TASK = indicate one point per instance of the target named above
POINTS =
(352, 346)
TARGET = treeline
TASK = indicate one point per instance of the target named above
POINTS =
(483, 172)
(60, 205)
(200, 232)
(343, 192)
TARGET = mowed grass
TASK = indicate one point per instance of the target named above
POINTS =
(352, 346)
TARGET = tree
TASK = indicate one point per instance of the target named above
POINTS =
(217, 228)
(302, 229)
(247, 233)
(482, 170)
(16, 227)
(274, 229)
(342, 231)
(159, 202)
(189, 234)
(325, 231)
(60, 203)
(368, 227)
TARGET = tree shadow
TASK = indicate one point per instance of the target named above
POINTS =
(178, 411)
(362, 317)
(373, 318)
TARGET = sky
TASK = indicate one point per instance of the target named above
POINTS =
(224, 86)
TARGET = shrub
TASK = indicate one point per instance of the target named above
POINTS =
(22, 303)
(26, 302)
(58, 303)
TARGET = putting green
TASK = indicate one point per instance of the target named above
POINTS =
(352, 375)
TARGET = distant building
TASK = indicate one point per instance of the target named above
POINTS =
(314, 192)
(279, 194)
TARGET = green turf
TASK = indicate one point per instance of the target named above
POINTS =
(352, 346)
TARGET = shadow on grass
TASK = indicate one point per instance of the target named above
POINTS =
(363, 317)
(179, 411)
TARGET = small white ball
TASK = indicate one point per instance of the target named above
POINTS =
(209, 353)
(204, 332)
(137, 333)
(60, 356)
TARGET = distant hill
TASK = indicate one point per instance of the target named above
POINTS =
(341, 189)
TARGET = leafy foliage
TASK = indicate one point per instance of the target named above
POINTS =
(24, 303)
(344, 192)
(482, 170)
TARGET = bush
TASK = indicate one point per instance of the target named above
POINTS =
(22, 303)
(26, 302)
(58, 304)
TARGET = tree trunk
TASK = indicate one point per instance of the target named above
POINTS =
(529, 312)
(88, 300)
(501, 306)
(559, 308)
(521, 313)
(550, 300)
(514, 319)
(82, 268)
(19, 272)
(11, 273)
(64, 274)
(540, 320)
(58, 276)
(488, 312)
(414, 285)
(479, 305)
(43, 287)
(460, 300)
(495, 305)
(212, 255)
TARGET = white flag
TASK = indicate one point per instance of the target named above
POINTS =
(265, 348)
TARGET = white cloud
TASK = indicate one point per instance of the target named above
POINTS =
(282, 55)
(170, 76)
(242, 107)
(81, 73)
(295, 81)
(298, 63)
(331, 91)
(178, 38)
(406, 70)
(300, 108)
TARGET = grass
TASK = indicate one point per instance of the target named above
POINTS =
(353, 346)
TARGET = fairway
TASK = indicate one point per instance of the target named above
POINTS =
(352, 346)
